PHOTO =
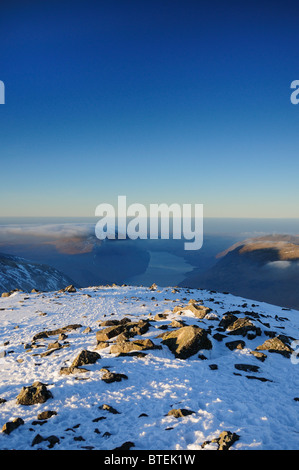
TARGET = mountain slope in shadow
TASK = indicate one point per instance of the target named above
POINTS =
(264, 268)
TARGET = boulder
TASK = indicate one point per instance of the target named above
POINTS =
(242, 326)
(187, 341)
(35, 393)
(127, 346)
(279, 345)
(199, 311)
(85, 357)
(12, 425)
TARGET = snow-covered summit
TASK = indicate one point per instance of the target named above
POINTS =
(147, 369)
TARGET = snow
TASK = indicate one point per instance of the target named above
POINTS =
(263, 414)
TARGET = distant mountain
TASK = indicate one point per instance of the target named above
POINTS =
(263, 268)
(19, 273)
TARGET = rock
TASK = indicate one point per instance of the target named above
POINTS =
(127, 346)
(36, 393)
(187, 341)
(259, 355)
(247, 367)
(199, 311)
(46, 414)
(180, 413)
(242, 326)
(160, 316)
(12, 425)
(85, 357)
(125, 446)
(51, 439)
(110, 377)
(227, 320)
(87, 330)
(177, 324)
(109, 332)
(261, 379)
(238, 344)
(70, 288)
(58, 331)
(6, 294)
(110, 409)
(225, 440)
(153, 287)
(279, 345)
(219, 336)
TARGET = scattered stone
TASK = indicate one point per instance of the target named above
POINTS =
(180, 413)
(109, 408)
(279, 345)
(187, 341)
(110, 377)
(225, 440)
(238, 344)
(177, 324)
(259, 355)
(85, 357)
(2, 400)
(87, 330)
(125, 446)
(124, 347)
(242, 326)
(35, 393)
(51, 439)
(247, 367)
(219, 336)
(227, 320)
(262, 379)
(213, 366)
(44, 415)
(47, 333)
(70, 288)
(199, 311)
(12, 425)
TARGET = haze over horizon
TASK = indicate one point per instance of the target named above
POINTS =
(185, 102)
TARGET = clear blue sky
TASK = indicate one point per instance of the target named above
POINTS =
(161, 101)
